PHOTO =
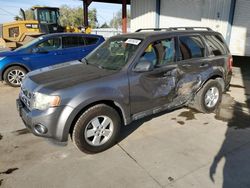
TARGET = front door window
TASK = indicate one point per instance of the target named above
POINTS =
(49, 45)
(160, 53)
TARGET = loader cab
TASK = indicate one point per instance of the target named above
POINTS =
(48, 19)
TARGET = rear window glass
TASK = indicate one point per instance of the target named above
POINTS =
(91, 40)
(216, 44)
(191, 47)
(69, 42)
(81, 41)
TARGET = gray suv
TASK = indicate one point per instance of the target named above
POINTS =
(127, 78)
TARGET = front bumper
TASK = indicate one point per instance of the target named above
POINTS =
(53, 119)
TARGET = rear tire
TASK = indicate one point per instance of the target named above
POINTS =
(14, 75)
(97, 129)
(208, 98)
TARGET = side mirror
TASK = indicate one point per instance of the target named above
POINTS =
(144, 66)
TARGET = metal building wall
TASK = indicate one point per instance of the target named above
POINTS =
(216, 14)
(142, 14)
(240, 36)
(178, 13)
(174, 13)
(208, 13)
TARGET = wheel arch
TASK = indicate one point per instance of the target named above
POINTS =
(216, 76)
(197, 101)
(12, 65)
(110, 103)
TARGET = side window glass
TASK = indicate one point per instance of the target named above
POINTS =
(149, 54)
(91, 40)
(50, 44)
(69, 42)
(191, 47)
(169, 51)
(216, 45)
(160, 52)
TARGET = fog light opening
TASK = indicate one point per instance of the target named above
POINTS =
(41, 129)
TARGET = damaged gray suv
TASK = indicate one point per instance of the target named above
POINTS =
(127, 78)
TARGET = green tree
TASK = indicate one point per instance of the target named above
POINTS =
(105, 25)
(116, 22)
(74, 16)
(28, 14)
(17, 18)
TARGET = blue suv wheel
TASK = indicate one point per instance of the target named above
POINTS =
(14, 75)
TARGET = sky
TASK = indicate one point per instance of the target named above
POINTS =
(10, 8)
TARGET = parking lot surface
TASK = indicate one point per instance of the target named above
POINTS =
(182, 148)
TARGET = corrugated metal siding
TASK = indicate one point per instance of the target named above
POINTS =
(216, 14)
(176, 13)
(207, 13)
(240, 36)
(142, 14)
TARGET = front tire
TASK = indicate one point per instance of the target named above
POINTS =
(97, 129)
(14, 75)
(209, 97)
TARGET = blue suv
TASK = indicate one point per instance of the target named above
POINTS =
(45, 51)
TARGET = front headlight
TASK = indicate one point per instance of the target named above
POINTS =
(43, 102)
(1, 58)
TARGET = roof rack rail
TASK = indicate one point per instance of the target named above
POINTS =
(152, 29)
(174, 28)
(190, 28)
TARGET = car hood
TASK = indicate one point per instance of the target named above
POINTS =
(66, 75)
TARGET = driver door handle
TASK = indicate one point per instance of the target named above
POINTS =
(58, 53)
(166, 74)
(204, 65)
(26, 58)
(186, 65)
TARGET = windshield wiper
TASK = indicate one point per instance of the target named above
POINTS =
(85, 61)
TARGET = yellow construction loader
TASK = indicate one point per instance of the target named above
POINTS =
(45, 20)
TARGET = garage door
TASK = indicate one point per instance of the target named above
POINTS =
(240, 36)
(181, 13)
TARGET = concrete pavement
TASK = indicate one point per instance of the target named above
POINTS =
(178, 149)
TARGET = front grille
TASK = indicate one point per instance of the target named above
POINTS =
(26, 96)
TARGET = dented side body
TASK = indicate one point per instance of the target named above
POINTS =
(134, 94)
(175, 84)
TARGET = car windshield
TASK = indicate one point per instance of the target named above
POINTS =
(29, 44)
(114, 53)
